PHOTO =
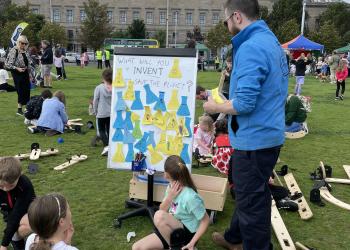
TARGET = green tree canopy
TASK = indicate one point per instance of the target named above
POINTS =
(264, 12)
(218, 36)
(54, 33)
(327, 36)
(95, 27)
(288, 30)
(161, 37)
(137, 30)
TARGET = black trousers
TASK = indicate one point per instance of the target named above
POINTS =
(59, 71)
(63, 71)
(7, 87)
(107, 64)
(251, 220)
(103, 129)
(99, 64)
(342, 85)
(22, 84)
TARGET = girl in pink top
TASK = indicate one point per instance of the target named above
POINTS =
(203, 138)
(341, 74)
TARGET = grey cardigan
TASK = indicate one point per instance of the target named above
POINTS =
(12, 61)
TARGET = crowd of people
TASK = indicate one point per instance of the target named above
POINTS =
(256, 96)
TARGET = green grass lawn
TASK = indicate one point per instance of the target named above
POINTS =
(96, 194)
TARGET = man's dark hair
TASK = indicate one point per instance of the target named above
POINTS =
(46, 94)
(250, 8)
(199, 89)
(2, 64)
(107, 75)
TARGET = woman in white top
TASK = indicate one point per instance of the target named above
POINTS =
(4, 76)
(51, 221)
(58, 61)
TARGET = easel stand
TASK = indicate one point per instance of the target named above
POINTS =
(142, 209)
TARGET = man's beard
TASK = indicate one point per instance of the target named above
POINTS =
(234, 30)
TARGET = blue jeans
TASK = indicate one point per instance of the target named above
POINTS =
(251, 220)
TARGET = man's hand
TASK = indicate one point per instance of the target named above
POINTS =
(210, 106)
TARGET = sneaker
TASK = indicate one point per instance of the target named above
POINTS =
(287, 204)
(341, 97)
(20, 113)
(31, 130)
(27, 122)
(337, 98)
(105, 151)
(219, 240)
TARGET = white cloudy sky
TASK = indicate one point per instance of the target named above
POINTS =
(348, 1)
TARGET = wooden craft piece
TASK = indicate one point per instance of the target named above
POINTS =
(296, 135)
(280, 229)
(347, 170)
(35, 154)
(74, 159)
(301, 246)
(48, 152)
(323, 169)
(75, 120)
(304, 209)
(69, 123)
(338, 180)
(330, 198)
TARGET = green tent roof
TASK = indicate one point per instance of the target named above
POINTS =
(343, 49)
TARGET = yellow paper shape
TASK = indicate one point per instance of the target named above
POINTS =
(182, 131)
(174, 103)
(129, 94)
(216, 96)
(147, 118)
(175, 69)
(155, 156)
(161, 146)
(170, 149)
(119, 156)
(159, 120)
(178, 145)
(118, 80)
(135, 116)
(172, 121)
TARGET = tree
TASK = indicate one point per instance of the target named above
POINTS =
(327, 36)
(120, 34)
(218, 36)
(283, 11)
(288, 31)
(264, 12)
(95, 27)
(137, 30)
(160, 36)
(54, 33)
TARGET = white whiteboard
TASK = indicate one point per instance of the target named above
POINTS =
(153, 108)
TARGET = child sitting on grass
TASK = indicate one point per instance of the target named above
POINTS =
(203, 138)
(53, 117)
(51, 220)
(4, 76)
(222, 147)
(16, 194)
(182, 208)
(102, 107)
(34, 106)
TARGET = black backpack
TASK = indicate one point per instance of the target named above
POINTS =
(33, 108)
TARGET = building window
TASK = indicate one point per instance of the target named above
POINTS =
(69, 16)
(149, 17)
(70, 35)
(162, 18)
(122, 19)
(110, 16)
(35, 10)
(176, 18)
(82, 15)
(215, 18)
(202, 19)
(56, 15)
(189, 19)
(136, 15)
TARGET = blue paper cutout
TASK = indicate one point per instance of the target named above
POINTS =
(184, 154)
(188, 126)
(130, 156)
(118, 135)
(121, 105)
(150, 96)
(128, 137)
(150, 139)
(119, 122)
(127, 121)
(137, 103)
(160, 105)
(141, 145)
(183, 109)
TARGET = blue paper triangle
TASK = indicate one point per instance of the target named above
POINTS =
(150, 96)
(141, 145)
(150, 140)
(188, 125)
(184, 154)
(128, 138)
(137, 103)
(128, 122)
(119, 122)
(130, 155)
(183, 109)
(121, 105)
(118, 135)
(160, 105)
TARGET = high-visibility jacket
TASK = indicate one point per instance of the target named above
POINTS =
(98, 54)
(108, 54)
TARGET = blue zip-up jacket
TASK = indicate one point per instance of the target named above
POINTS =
(53, 115)
(258, 89)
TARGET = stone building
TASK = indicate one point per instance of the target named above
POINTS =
(183, 15)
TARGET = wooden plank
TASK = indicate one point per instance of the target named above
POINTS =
(330, 198)
(301, 246)
(304, 209)
(35, 154)
(338, 180)
(347, 170)
(75, 159)
(296, 135)
(280, 229)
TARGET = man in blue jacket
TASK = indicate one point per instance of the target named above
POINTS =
(258, 90)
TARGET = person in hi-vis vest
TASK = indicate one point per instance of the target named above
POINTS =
(107, 57)
(99, 58)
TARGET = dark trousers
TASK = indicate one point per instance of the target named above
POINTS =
(22, 85)
(7, 87)
(63, 71)
(99, 64)
(342, 85)
(103, 129)
(59, 71)
(251, 221)
(107, 64)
